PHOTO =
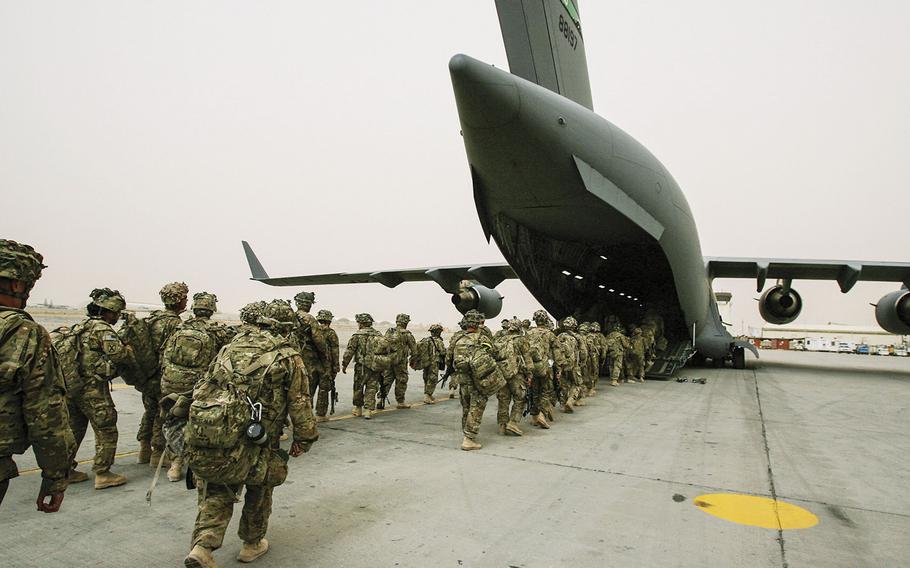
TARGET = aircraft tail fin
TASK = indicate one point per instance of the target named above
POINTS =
(256, 269)
(544, 45)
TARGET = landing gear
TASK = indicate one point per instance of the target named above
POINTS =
(739, 358)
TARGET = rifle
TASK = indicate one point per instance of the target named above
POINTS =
(333, 397)
(383, 395)
(529, 400)
(442, 383)
(556, 388)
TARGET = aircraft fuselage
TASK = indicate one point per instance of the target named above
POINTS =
(590, 220)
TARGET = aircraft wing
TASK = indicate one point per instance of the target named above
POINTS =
(845, 272)
(448, 277)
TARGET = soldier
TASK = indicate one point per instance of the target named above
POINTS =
(648, 331)
(514, 363)
(593, 368)
(473, 397)
(635, 354)
(327, 380)
(484, 329)
(575, 355)
(545, 351)
(101, 356)
(616, 342)
(504, 329)
(311, 340)
(33, 410)
(161, 324)
(601, 341)
(365, 342)
(450, 365)
(187, 354)
(433, 349)
(402, 345)
(284, 394)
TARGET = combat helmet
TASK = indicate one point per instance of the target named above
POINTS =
(281, 312)
(20, 262)
(305, 298)
(325, 315)
(364, 318)
(595, 327)
(541, 316)
(473, 318)
(570, 324)
(251, 312)
(435, 328)
(583, 327)
(174, 293)
(108, 299)
(402, 318)
(205, 301)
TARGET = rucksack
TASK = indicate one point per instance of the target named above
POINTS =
(420, 360)
(68, 346)
(135, 332)
(215, 443)
(189, 348)
(507, 355)
(488, 378)
(376, 356)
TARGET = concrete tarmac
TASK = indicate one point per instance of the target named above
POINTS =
(615, 484)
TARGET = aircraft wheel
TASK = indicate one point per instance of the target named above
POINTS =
(739, 358)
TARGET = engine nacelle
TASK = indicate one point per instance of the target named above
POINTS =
(477, 297)
(778, 306)
(893, 312)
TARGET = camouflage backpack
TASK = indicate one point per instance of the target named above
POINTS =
(507, 355)
(485, 371)
(376, 353)
(187, 355)
(420, 360)
(67, 344)
(215, 443)
(135, 333)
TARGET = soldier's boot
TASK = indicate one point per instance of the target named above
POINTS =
(200, 557)
(502, 429)
(539, 420)
(641, 380)
(427, 399)
(284, 435)
(580, 402)
(358, 411)
(367, 413)
(402, 406)
(322, 418)
(145, 451)
(105, 479)
(156, 456)
(569, 406)
(468, 444)
(252, 551)
(592, 392)
(548, 414)
(513, 429)
(614, 383)
(451, 394)
(76, 476)
(175, 472)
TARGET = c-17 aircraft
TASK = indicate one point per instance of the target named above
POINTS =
(587, 218)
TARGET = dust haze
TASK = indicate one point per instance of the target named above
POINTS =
(140, 142)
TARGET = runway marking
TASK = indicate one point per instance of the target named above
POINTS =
(756, 511)
(121, 455)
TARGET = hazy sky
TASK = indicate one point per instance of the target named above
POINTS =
(140, 141)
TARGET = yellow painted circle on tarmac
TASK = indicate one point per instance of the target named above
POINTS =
(756, 511)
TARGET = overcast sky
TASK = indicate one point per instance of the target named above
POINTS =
(140, 141)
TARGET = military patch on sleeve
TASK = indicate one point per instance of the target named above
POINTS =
(110, 343)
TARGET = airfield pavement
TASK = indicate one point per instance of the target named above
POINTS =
(615, 484)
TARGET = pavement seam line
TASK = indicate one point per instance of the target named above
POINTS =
(773, 489)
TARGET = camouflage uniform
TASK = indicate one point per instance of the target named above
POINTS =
(326, 382)
(515, 359)
(366, 380)
(548, 357)
(473, 402)
(284, 395)
(436, 355)
(33, 409)
(449, 361)
(101, 355)
(635, 354)
(162, 324)
(402, 345)
(311, 340)
(180, 379)
(616, 342)
(593, 367)
(576, 355)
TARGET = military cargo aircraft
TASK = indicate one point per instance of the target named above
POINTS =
(587, 218)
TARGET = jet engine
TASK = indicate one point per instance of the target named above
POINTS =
(780, 305)
(478, 297)
(893, 312)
